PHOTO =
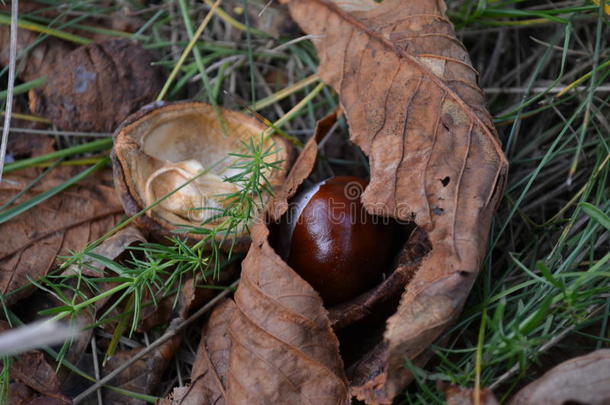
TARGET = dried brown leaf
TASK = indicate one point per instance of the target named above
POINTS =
(31, 242)
(21, 394)
(96, 86)
(112, 248)
(38, 55)
(581, 380)
(413, 105)
(282, 346)
(32, 369)
(37, 61)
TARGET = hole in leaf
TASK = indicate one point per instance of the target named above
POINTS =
(438, 211)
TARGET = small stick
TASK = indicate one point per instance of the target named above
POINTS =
(11, 83)
(34, 336)
(96, 368)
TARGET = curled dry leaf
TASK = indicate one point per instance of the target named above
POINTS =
(164, 145)
(96, 86)
(413, 106)
(31, 242)
(282, 346)
(581, 380)
(432, 146)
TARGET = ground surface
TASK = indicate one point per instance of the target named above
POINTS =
(543, 293)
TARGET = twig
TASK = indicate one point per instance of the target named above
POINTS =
(172, 331)
(11, 83)
(35, 335)
(178, 371)
(96, 368)
(265, 8)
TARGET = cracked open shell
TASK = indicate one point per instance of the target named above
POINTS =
(164, 145)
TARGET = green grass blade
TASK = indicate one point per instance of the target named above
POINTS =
(24, 87)
(597, 214)
(32, 26)
(21, 208)
(95, 146)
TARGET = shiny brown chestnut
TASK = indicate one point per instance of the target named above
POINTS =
(334, 243)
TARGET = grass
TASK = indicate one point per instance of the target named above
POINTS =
(543, 292)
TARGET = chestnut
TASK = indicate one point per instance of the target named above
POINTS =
(334, 243)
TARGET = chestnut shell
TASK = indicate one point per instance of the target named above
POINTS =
(162, 136)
